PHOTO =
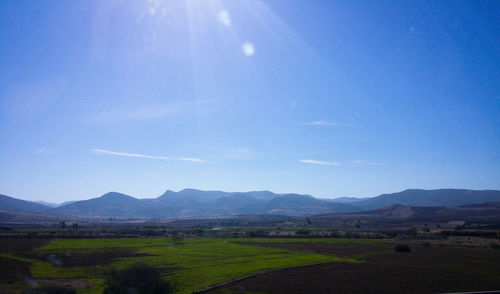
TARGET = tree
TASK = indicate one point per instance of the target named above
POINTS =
(178, 239)
(402, 248)
(138, 279)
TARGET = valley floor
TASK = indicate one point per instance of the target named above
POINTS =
(269, 265)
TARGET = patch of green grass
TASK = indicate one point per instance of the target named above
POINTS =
(105, 243)
(42, 269)
(193, 265)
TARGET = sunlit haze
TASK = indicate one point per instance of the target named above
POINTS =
(327, 98)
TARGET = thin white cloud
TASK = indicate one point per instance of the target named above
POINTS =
(43, 150)
(150, 112)
(369, 162)
(325, 123)
(138, 155)
(240, 153)
(191, 159)
(312, 161)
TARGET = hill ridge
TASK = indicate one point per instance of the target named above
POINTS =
(194, 203)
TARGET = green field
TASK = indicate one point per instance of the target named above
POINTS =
(193, 263)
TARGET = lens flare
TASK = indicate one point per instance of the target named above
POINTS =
(248, 49)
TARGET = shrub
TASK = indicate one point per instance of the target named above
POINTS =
(178, 239)
(138, 279)
(402, 248)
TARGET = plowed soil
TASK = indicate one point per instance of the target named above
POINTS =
(424, 270)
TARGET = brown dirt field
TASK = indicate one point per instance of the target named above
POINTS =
(7, 245)
(424, 270)
(85, 258)
(337, 249)
(478, 261)
(12, 270)
(359, 278)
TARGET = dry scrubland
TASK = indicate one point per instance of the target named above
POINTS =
(273, 265)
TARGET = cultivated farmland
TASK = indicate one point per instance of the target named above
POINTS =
(192, 263)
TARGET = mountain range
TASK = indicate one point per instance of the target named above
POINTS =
(484, 214)
(192, 203)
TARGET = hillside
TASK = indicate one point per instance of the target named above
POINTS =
(484, 212)
(11, 217)
(10, 203)
(111, 204)
(430, 198)
(192, 203)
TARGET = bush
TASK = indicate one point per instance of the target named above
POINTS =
(402, 248)
(138, 279)
(178, 239)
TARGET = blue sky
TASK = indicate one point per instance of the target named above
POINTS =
(328, 98)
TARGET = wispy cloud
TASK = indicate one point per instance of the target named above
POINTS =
(191, 159)
(326, 123)
(369, 162)
(312, 161)
(43, 150)
(138, 155)
(151, 112)
(240, 153)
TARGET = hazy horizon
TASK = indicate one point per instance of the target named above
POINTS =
(332, 99)
(278, 193)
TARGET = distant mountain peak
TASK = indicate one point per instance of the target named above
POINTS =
(115, 195)
(193, 203)
(187, 190)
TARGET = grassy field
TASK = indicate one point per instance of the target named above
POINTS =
(192, 263)
(195, 264)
